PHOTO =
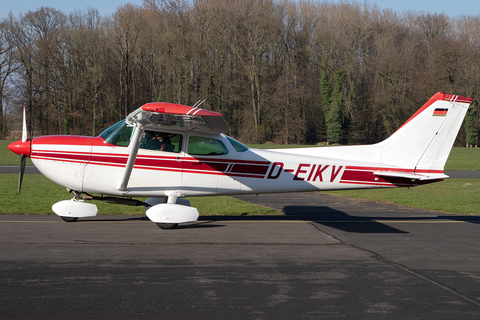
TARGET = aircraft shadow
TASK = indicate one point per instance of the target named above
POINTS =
(340, 220)
(322, 215)
(365, 224)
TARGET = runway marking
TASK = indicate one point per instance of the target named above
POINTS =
(14, 221)
(413, 221)
(262, 221)
(348, 221)
(84, 221)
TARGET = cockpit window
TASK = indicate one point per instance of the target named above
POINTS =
(206, 146)
(161, 141)
(119, 134)
(238, 146)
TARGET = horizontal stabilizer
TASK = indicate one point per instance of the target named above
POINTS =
(411, 175)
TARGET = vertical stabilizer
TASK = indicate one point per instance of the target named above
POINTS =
(423, 143)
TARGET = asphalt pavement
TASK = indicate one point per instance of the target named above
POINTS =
(15, 170)
(325, 257)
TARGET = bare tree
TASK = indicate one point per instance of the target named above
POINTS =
(262, 63)
(125, 29)
(7, 67)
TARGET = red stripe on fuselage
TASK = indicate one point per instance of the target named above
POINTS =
(61, 156)
(366, 176)
(238, 168)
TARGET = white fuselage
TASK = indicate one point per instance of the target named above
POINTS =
(87, 164)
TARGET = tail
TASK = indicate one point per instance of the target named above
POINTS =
(424, 142)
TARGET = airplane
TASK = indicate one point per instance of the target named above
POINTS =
(168, 151)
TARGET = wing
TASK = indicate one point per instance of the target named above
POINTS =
(178, 117)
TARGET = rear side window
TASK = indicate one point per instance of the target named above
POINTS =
(206, 146)
(238, 146)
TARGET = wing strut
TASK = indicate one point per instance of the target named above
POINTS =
(135, 144)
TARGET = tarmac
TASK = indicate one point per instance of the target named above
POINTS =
(326, 257)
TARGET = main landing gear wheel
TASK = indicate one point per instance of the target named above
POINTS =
(69, 219)
(167, 225)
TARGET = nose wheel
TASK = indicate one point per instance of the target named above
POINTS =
(167, 225)
(69, 219)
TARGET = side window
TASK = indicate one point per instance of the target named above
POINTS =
(206, 146)
(161, 141)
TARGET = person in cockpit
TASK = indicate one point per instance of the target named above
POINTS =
(159, 141)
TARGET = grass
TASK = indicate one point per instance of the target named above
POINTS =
(38, 194)
(452, 195)
(9, 158)
(464, 159)
(228, 206)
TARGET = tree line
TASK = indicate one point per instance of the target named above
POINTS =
(279, 71)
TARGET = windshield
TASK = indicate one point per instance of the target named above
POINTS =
(119, 134)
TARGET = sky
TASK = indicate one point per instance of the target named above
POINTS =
(107, 7)
(104, 7)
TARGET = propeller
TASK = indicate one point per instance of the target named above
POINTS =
(23, 148)
(23, 157)
(23, 160)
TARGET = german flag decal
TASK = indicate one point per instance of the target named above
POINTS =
(440, 112)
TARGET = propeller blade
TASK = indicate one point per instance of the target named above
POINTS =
(23, 160)
(24, 127)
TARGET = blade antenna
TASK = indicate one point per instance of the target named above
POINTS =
(199, 103)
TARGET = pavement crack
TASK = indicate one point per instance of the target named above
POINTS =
(456, 291)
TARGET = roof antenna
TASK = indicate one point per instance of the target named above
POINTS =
(199, 103)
